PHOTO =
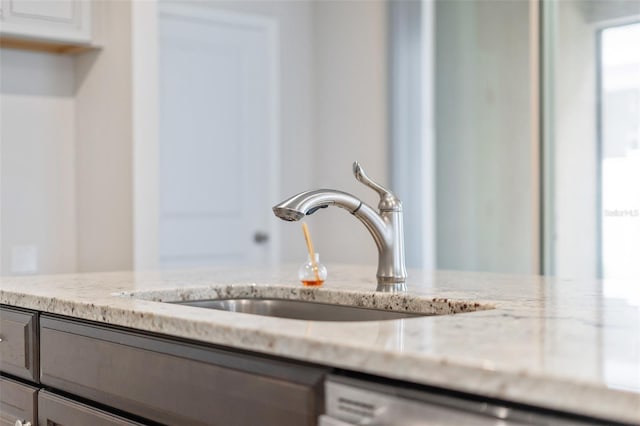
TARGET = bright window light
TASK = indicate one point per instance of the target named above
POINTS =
(620, 109)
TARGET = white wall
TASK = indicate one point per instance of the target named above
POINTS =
(350, 119)
(485, 172)
(575, 202)
(104, 146)
(66, 152)
(37, 142)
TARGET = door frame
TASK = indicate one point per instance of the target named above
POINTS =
(145, 100)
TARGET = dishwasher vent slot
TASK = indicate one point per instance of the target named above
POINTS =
(355, 407)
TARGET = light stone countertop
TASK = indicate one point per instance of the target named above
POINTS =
(568, 345)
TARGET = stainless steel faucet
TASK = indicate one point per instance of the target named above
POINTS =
(385, 227)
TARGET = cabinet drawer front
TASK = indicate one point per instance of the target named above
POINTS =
(17, 402)
(174, 382)
(59, 411)
(19, 345)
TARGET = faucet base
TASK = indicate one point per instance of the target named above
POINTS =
(392, 284)
(391, 287)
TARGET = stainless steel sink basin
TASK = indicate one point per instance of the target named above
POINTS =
(309, 304)
(298, 309)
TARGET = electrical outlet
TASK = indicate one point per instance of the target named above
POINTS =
(24, 259)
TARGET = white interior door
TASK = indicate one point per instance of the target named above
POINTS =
(217, 137)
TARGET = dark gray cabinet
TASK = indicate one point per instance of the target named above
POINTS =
(19, 343)
(175, 382)
(18, 402)
(59, 411)
(152, 377)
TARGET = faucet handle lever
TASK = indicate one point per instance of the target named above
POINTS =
(388, 201)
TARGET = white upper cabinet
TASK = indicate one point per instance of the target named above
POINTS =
(57, 21)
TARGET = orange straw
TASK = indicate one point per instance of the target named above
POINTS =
(312, 255)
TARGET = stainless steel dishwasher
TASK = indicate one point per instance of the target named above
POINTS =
(351, 401)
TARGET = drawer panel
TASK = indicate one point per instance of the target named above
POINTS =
(17, 402)
(60, 411)
(19, 345)
(175, 382)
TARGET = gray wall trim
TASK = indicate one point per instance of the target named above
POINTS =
(410, 126)
(548, 39)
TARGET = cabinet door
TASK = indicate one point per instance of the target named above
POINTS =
(175, 382)
(17, 402)
(59, 411)
(48, 20)
(19, 343)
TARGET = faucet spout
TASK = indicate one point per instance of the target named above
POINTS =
(308, 202)
(385, 227)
